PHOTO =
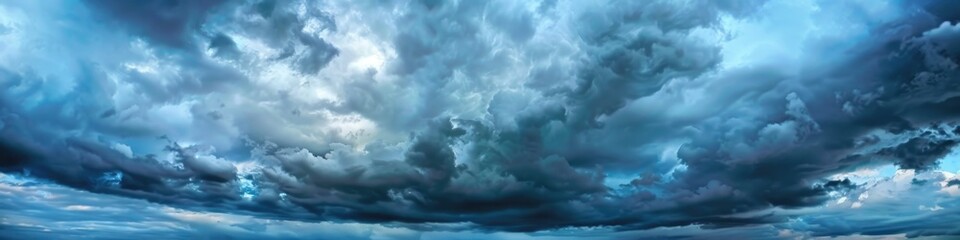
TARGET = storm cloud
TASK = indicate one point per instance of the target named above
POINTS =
(468, 119)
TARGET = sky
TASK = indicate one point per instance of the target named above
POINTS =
(457, 119)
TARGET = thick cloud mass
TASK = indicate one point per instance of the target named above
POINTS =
(468, 119)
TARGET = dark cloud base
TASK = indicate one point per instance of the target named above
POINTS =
(499, 116)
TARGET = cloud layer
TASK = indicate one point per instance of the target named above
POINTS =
(761, 119)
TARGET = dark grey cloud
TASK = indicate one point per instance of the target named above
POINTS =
(954, 182)
(920, 152)
(224, 46)
(633, 116)
(776, 155)
(168, 22)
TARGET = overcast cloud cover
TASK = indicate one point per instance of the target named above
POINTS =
(277, 119)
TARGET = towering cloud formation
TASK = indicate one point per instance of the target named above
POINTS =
(754, 117)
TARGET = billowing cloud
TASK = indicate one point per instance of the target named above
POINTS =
(445, 119)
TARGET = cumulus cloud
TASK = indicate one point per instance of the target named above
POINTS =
(641, 118)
